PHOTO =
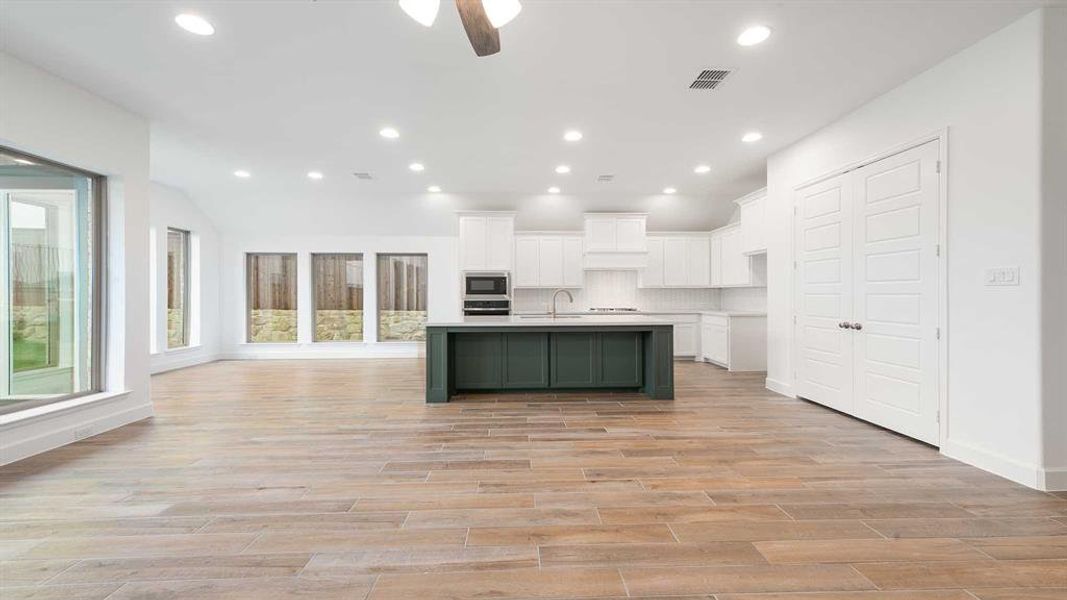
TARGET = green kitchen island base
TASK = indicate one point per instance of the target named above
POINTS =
(484, 356)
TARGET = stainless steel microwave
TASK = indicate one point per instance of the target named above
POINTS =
(486, 285)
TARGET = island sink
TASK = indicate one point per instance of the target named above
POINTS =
(540, 353)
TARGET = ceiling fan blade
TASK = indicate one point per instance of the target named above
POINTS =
(485, 39)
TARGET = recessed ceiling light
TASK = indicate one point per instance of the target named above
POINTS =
(669, 190)
(754, 35)
(242, 174)
(423, 11)
(563, 169)
(553, 190)
(501, 12)
(23, 161)
(752, 136)
(701, 169)
(389, 133)
(573, 135)
(194, 24)
(417, 167)
(434, 189)
(314, 175)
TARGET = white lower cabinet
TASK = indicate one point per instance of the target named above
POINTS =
(685, 339)
(548, 261)
(735, 341)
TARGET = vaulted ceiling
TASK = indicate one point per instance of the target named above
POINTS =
(287, 87)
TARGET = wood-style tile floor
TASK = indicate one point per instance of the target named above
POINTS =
(332, 479)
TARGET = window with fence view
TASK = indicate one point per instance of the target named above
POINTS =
(271, 297)
(338, 283)
(177, 288)
(402, 297)
(49, 232)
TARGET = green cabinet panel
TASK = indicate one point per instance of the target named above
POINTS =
(573, 362)
(525, 360)
(494, 359)
(437, 370)
(620, 359)
(476, 361)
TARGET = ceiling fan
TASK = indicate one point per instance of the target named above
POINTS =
(482, 19)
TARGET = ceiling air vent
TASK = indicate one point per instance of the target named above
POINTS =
(362, 175)
(605, 178)
(710, 79)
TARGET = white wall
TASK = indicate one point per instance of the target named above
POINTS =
(989, 97)
(1054, 247)
(443, 296)
(47, 116)
(170, 207)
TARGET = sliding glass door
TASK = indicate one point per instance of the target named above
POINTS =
(50, 219)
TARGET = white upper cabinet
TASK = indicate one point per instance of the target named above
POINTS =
(615, 232)
(698, 256)
(630, 234)
(716, 259)
(500, 238)
(652, 274)
(753, 220)
(730, 266)
(548, 261)
(527, 262)
(680, 260)
(573, 274)
(486, 241)
(675, 265)
(600, 234)
(551, 262)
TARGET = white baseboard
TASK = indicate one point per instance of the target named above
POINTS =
(325, 350)
(1053, 480)
(22, 439)
(779, 387)
(1026, 474)
(164, 363)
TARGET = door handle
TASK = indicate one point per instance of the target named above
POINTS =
(844, 325)
(857, 326)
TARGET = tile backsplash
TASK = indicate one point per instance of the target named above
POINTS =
(619, 289)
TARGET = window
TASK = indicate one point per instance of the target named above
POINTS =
(177, 288)
(338, 283)
(51, 224)
(402, 297)
(271, 297)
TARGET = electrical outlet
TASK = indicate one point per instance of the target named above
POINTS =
(82, 432)
(1000, 276)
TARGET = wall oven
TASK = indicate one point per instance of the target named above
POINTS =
(486, 294)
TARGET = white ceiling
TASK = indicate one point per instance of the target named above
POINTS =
(285, 87)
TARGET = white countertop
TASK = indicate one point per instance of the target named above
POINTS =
(683, 311)
(568, 320)
(733, 313)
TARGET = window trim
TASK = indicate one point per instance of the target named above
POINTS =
(377, 292)
(314, 293)
(98, 298)
(186, 291)
(248, 295)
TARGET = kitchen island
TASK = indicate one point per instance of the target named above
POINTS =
(546, 353)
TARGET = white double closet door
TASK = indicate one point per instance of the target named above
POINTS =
(867, 324)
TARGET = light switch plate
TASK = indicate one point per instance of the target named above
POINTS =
(1000, 276)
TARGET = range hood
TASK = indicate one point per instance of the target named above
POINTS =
(615, 261)
(615, 242)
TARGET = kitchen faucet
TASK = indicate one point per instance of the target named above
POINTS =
(555, 295)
